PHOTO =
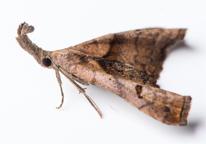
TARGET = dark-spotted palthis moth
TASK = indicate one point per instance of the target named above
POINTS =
(127, 64)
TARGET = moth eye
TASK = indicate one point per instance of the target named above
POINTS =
(47, 62)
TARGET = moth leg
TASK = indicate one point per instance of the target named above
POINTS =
(82, 90)
(72, 77)
(60, 84)
(79, 80)
(94, 105)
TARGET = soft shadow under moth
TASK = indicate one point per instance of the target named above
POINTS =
(127, 64)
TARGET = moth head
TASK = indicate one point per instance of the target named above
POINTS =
(44, 59)
(40, 55)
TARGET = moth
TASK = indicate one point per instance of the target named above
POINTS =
(127, 64)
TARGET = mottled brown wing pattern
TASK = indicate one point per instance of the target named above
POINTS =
(144, 49)
(132, 85)
(113, 68)
(126, 64)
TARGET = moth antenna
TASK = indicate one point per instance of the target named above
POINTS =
(60, 85)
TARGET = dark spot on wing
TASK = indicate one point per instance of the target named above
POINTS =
(139, 91)
(166, 109)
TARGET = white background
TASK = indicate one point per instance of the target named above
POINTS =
(30, 93)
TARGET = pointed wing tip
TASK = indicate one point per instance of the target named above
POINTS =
(181, 34)
(185, 111)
